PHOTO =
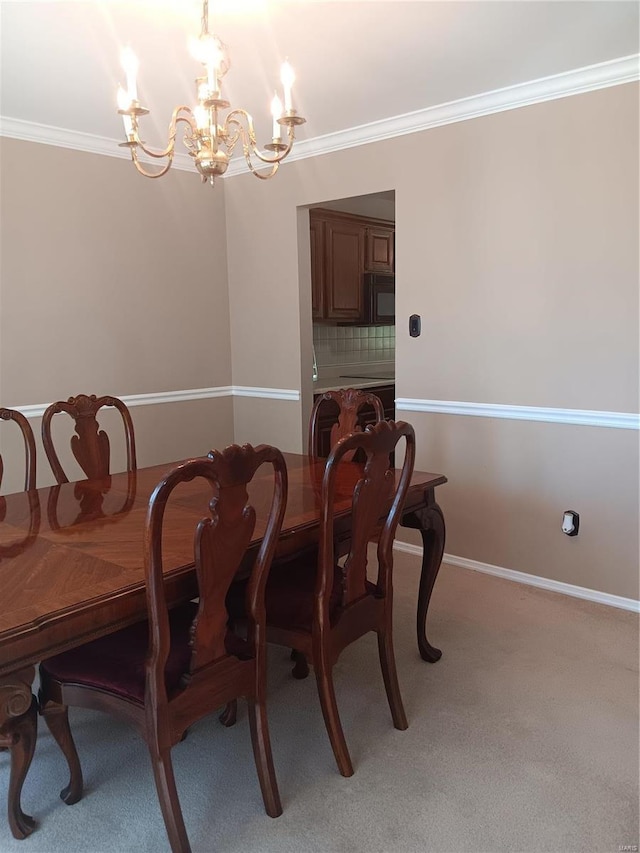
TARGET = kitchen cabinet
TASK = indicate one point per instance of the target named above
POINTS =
(328, 414)
(343, 248)
(344, 251)
(380, 249)
(317, 267)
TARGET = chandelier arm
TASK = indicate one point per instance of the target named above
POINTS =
(264, 176)
(248, 136)
(277, 158)
(235, 118)
(229, 136)
(143, 171)
(173, 130)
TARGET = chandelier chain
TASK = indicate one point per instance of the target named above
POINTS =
(204, 27)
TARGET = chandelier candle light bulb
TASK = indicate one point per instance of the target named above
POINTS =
(130, 64)
(276, 112)
(288, 78)
(209, 138)
(124, 103)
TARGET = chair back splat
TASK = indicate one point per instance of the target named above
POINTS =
(90, 445)
(221, 543)
(370, 497)
(29, 447)
(350, 402)
(186, 662)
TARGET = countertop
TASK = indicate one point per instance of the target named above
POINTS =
(334, 383)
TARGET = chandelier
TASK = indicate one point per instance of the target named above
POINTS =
(209, 138)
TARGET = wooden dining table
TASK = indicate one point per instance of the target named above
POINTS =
(71, 570)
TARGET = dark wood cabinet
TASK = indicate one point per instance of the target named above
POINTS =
(328, 414)
(344, 266)
(380, 249)
(343, 248)
(317, 267)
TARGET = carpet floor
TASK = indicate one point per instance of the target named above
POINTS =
(523, 737)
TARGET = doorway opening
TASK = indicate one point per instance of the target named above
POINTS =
(351, 342)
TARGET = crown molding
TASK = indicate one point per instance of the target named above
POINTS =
(581, 417)
(615, 72)
(45, 134)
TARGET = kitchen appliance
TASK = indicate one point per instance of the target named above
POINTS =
(380, 298)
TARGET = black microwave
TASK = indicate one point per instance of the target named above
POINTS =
(380, 298)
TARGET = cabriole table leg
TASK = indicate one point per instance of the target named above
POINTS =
(429, 520)
(18, 730)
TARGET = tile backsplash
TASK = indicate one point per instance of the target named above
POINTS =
(335, 345)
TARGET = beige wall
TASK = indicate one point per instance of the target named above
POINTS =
(377, 206)
(113, 284)
(509, 483)
(517, 242)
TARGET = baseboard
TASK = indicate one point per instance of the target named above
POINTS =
(530, 580)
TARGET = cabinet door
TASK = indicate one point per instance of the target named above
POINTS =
(380, 250)
(344, 265)
(318, 301)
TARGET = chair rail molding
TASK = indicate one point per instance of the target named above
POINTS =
(614, 72)
(133, 400)
(581, 417)
(265, 393)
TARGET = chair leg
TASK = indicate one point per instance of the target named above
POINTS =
(230, 714)
(168, 797)
(324, 680)
(23, 743)
(301, 668)
(390, 676)
(57, 719)
(263, 756)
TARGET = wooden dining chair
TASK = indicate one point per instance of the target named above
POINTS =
(90, 445)
(349, 403)
(29, 447)
(164, 675)
(318, 607)
(21, 742)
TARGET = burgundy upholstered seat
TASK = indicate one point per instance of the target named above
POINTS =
(289, 595)
(116, 663)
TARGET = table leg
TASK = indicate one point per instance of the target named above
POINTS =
(18, 728)
(429, 520)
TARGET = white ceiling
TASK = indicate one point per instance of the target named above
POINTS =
(356, 62)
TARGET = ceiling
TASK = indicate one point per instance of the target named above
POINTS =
(356, 62)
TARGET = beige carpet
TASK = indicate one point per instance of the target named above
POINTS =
(524, 737)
